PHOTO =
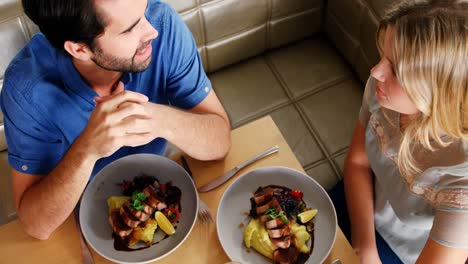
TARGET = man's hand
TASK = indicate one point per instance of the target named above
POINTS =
(118, 120)
(202, 132)
(127, 118)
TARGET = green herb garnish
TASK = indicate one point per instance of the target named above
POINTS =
(283, 217)
(136, 204)
(271, 212)
(137, 198)
(171, 215)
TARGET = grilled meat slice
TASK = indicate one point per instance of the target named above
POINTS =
(153, 199)
(118, 226)
(280, 232)
(148, 209)
(272, 203)
(286, 256)
(161, 206)
(282, 242)
(263, 195)
(275, 223)
(140, 215)
(128, 218)
(264, 218)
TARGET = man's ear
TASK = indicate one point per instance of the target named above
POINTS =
(77, 50)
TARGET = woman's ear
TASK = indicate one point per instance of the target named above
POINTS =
(77, 50)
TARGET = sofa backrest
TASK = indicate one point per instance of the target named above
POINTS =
(228, 31)
(351, 25)
(15, 30)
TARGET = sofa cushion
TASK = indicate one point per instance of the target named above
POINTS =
(333, 113)
(7, 206)
(15, 31)
(248, 90)
(228, 31)
(310, 65)
(351, 25)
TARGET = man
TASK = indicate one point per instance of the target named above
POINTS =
(106, 79)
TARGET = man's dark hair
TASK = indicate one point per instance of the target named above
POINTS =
(62, 20)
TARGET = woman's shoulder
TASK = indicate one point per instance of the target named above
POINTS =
(444, 180)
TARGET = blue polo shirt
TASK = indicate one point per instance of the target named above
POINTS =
(46, 104)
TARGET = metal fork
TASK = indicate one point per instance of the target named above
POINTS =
(204, 212)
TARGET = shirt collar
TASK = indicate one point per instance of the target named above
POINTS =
(75, 83)
(127, 77)
(72, 79)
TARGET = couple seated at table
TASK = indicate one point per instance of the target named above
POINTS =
(114, 78)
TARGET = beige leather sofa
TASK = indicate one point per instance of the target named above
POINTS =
(301, 61)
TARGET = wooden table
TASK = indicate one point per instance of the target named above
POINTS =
(202, 246)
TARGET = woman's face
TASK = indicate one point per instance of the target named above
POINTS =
(390, 94)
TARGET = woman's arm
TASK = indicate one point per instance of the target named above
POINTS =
(434, 252)
(359, 198)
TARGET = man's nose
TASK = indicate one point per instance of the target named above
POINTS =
(151, 33)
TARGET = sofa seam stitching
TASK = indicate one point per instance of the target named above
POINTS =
(302, 115)
(318, 163)
(268, 25)
(203, 35)
(268, 110)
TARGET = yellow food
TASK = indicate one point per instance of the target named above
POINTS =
(256, 236)
(164, 223)
(115, 202)
(249, 231)
(306, 216)
(145, 234)
(301, 237)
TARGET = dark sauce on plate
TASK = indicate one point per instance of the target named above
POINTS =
(292, 207)
(121, 244)
(171, 196)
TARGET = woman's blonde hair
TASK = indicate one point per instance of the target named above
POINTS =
(430, 53)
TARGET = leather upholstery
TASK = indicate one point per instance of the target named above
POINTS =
(301, 61)
(351, 25)
(229, 31)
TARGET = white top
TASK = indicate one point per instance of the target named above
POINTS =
(410, 209)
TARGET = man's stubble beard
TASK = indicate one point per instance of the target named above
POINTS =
(113, 63)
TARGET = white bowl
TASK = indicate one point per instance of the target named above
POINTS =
(94, 212)
(235, 204)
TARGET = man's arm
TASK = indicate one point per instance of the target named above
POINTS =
(43, 202)
(359, 198)
(203, 132)
(435, 253)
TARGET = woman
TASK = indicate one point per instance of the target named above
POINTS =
(406, 174)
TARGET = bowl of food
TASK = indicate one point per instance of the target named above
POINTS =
(276, 215)
(138, 209)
